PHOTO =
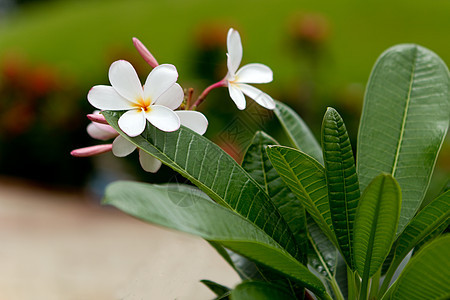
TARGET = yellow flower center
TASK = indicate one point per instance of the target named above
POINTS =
(143, 104)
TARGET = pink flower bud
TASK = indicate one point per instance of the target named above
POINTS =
(143, 51)
(90, 151)
(97, 118)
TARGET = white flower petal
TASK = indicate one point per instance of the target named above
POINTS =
(193, 120)
(132, 122)
(121, 147)
(237, 96)
(234, 49)
(259, 96)
(159, 80)
(101, 131)
(125, 80)
(171, 98)
(254, 73)
(148, 162)
(163, 118)
(105, 97)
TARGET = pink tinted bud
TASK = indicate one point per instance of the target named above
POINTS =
(97, 118)
(146, 55)
(90, 151)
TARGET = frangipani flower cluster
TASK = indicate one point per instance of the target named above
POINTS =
(121, 147)
(157, 100)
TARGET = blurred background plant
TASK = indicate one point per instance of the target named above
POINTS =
(321, 52)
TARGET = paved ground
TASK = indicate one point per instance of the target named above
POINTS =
(62, 246)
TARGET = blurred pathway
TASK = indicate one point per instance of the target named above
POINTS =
(59, 245)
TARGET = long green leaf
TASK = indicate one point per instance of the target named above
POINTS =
(404, 121)
(214, 172)
(323, 257)
(298, 132)
(427, 274)
(257, 164)
(260, 291)
(306, 179)
(221, 291)
(376, 224)
(342, 180)
(198, 216)
(432, 219)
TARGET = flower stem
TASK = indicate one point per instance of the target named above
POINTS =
(190, 92)
(205, 93)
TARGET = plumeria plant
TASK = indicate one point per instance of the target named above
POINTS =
(303, 220)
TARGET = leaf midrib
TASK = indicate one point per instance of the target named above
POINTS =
(368, 260)
(405, 113)
(293, 176)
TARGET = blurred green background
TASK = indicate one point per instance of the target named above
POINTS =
(321, 53)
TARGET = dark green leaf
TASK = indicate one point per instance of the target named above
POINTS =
(306, 179)
(220, 290)
(298, 132)
(431, 219)
(376, 224)
(427, 274)
(255, 290)
(342, 180)
(404, 121)
(257, 164)
(214, 172)
(160, 205)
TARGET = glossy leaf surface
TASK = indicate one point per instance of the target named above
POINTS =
(214, 172)
(342, 180)
(427, 274)
(260, 291)
(179, 208)
(404, 121)
(306, 179)
(376, 224)
(433, 217)
(258, 165)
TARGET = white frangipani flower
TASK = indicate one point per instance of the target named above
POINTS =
(121, 147)
(142, 103)
(251, 73)
(193, 120)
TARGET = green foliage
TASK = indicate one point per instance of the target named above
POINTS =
(426, 275)
(185, 209)
(282, 204)
(404, 121)
(261, 291)
(342, 181)
(257, 164)
(306, 179)
(215, 173)
(298, 132)
(375, 224)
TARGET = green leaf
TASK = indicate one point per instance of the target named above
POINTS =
(427, 273)
(298, 132)
(404, 121)
(376, 224)
(342, 180)
(256, 290)
(257, 164)
(432, 218)
(306, 179)
(323, 257)
(198, 216)
(220, 290)
(214, 172)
